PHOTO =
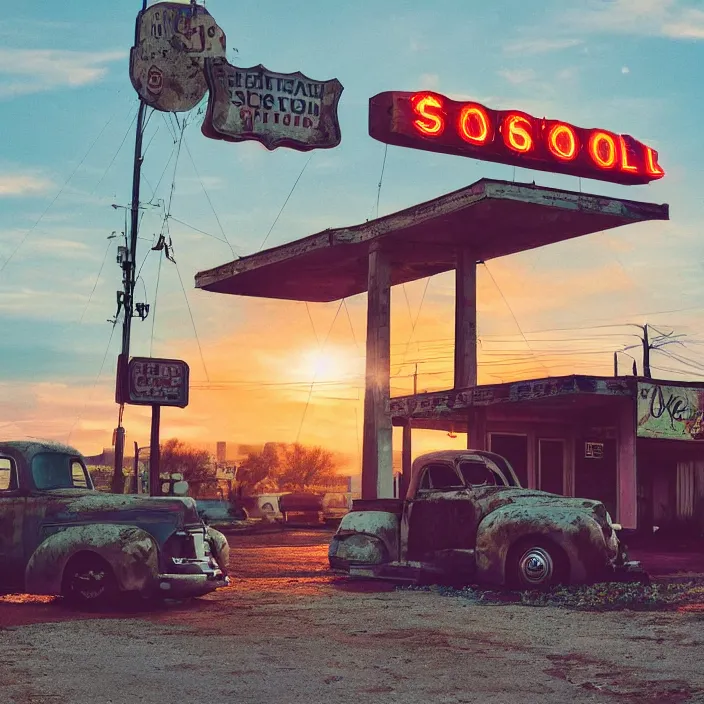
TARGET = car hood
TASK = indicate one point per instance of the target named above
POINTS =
(493, 498)
(90, 505)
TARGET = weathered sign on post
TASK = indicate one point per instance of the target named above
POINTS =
(148, 381)
(670, 411)
(172, 41)
(162, 382)
(275, 109)
(433, 122)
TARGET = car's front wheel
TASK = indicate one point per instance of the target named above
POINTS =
(535, 564)
(89, 581)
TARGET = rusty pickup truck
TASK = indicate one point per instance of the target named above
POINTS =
(59, 535)
(467, 520)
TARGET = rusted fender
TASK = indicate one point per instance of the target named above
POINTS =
(578, 534)
(220, 548)
(360, 534)
(131, 553)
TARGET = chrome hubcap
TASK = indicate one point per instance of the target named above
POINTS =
(536, 566)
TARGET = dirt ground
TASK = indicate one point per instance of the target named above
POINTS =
(288, 631)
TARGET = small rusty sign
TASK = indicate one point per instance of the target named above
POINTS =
(594, 450)
(275, 109)
(157, 382)
(172, 41)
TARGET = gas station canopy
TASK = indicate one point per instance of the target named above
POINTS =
(490, 218)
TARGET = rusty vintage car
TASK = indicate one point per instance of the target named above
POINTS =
(59, 535)
(467, 520)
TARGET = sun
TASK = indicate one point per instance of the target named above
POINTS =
(333, 364)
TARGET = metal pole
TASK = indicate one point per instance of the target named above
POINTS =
(155, 454)
(646, 353)
(135, 469)
(128, 278)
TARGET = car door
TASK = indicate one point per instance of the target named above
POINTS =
(12, 507)
(442, 516)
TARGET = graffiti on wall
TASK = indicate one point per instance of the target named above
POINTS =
(672, 412)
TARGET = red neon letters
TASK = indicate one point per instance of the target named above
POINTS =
(516, 131)
(651, 164)
(602, 149)
(562, 142)
(429, 109)
(474, 124)
(433, 122)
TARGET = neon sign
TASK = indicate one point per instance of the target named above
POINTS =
(432, 122)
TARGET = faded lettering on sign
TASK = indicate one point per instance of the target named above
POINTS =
(168, 59)
(276, 109)
(162, 382)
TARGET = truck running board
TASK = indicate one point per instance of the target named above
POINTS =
(407, 572)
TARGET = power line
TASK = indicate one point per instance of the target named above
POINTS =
(196, 229)
(56, 197)
(381, 179)
(513, 315)
(210, 202)
(349, 319)
(315, 373)
(293, 188)
(414, 323)
(97, 278)
(193, 323)
(116, 154)
(156, 295)
(95, 384)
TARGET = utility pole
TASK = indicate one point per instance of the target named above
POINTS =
(125, 299)
(646, 353)
(415, 380)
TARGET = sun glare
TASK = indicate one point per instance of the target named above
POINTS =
(329, 365)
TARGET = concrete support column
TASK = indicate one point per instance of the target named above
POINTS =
(626, 476)
(377, 468)
(465, 320)
(406, 459)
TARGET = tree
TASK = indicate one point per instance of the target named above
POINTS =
(301, 467)
(196, 465)
(257, 468)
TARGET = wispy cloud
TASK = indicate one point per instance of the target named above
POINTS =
(530, 47)
(22, 184)
(26, 71)
(518, 76)
(675, 19)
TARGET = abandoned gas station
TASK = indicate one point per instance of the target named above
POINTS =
(632, 443)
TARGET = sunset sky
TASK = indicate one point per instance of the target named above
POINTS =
(67, 112)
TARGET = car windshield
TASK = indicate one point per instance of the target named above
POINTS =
(56, 470)
(485, 472)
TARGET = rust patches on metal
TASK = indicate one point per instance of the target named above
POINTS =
(473, 531)
(131, 553)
